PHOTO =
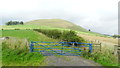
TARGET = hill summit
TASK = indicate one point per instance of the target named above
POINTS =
(58, 23)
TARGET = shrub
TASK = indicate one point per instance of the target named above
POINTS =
(17, 29)
(67, 36)
(14, 23)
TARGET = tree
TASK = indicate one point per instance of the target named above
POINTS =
(116, 36)
(89, 30)
(14, 23)
(21, 22)
(9, 23)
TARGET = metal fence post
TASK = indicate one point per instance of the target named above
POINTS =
(31, 47)
(62, 48)
(90, 48)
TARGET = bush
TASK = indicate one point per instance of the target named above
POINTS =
(116, 36)
(17, 29)
(14, 23)
(67, 36)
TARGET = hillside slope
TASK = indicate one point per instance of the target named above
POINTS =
(59, 23)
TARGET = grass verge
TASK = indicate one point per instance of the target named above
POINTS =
(106, 58)
(15, 51)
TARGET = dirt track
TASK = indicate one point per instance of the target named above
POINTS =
(69, 61)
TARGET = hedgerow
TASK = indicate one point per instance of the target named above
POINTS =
(67, 36)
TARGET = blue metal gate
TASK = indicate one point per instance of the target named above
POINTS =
(60, 48)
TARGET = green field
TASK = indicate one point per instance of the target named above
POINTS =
(30, 35)
(16, 52)
(28, 27)
(16, 48)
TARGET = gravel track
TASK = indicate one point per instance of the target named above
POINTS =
(69, 61)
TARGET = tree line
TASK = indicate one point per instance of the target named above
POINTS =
(14, 23)
(116, 36)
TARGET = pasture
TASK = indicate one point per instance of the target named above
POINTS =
(28, 27)
(25, 32)
(30, 35)
(17, 48)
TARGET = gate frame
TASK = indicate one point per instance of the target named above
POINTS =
(31, 45)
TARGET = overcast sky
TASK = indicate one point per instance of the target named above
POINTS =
(98, 15)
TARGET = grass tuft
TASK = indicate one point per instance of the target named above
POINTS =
(14, 54)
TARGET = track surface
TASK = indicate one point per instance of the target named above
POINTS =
(69, 61)
(62, 60)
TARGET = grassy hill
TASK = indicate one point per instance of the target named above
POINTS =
(57, 23)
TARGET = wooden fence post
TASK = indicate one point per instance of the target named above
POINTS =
(115, 49)
(31, 47)
(98, 41)
(119, 52)
(26, 41)
(100, 47)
